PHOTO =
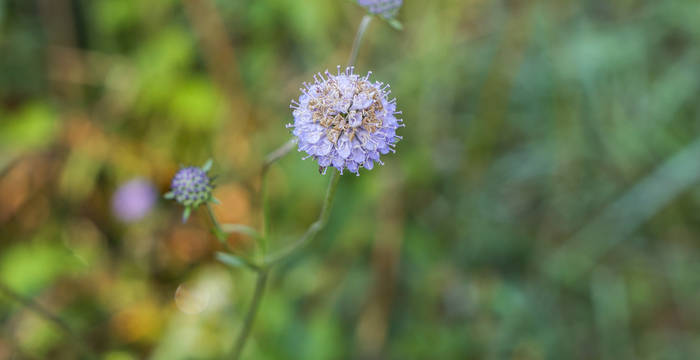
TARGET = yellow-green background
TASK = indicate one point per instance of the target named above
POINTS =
(543, 204)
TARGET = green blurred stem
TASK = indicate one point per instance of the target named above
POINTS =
(218, 231)
(252, 312)
(48, 316)
(364, 24)
(310, 233)
(264, 271)
(278, 154)
(221, 236)
(316, 227)
(269, 160)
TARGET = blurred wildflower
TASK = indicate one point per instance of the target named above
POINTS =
(191, 187)
(386, 8)
(133, 200)
(345, 121)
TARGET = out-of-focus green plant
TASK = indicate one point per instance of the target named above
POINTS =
(544, 205)
(192, 187)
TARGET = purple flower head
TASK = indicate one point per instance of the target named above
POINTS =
(345, 121)
(133, 200)
(191, 186)
(386, 8)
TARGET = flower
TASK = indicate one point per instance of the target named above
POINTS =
(191, 187)
(345, 121)
(133, 200)
(386, 8)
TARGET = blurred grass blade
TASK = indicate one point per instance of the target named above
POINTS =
(621, 218)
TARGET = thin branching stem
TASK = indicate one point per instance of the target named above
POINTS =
(218, 231)
(269, 160)
(364, 24)
(258, 293)
(310, 233)
(277, 154)
(315, 227)
(221, 236)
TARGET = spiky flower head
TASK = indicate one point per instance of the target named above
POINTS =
(345, 121)
(386, 8)
(191, 187)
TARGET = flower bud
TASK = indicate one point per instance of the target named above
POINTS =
(191, 187)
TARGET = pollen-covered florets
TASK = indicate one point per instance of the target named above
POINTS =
(386, 8)
(191, 187)
(345, 121)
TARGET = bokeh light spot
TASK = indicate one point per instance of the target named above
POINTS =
(191, 298)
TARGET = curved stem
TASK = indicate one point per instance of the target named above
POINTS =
(315, 227)
(277, 154)
(364, 24)
(252, 312)
(218, 231)
(310, 233)
(269, 160)
(221, 236)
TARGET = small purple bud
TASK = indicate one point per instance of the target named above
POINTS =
(191, 187)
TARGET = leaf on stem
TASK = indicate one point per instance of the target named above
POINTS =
(235, 261)
(186, 214)
(207, 165)
(240, 229)
(394, 23)
(230, 260)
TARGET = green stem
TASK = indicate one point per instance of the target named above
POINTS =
(218, 231)
(265, 222)
(278, 154)
(221, 236)
(252, 312)
(364, 24)
(315, 227)
(310, 233)
(269, 160)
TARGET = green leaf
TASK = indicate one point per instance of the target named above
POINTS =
(207, 165)
(186, 214)
(240, 229)
(230, 259)
(169, 195)
(394, 23)
(215, 201)
(236, 261)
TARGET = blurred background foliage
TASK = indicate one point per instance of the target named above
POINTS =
(544, 203)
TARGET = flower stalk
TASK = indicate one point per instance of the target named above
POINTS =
(258, 293)
(315, 227)
(318, 225)
(364, 24)
(218, 231)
